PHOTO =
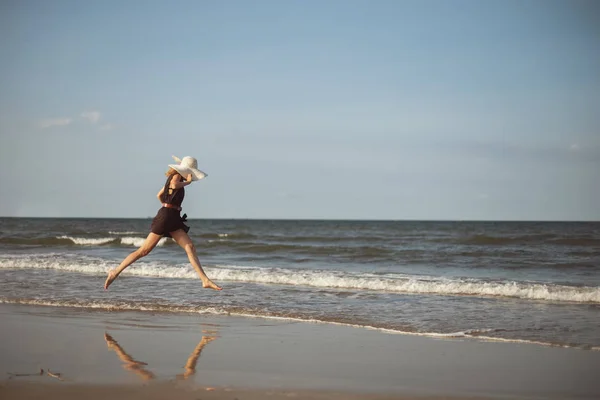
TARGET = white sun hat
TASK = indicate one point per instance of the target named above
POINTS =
(188, 165)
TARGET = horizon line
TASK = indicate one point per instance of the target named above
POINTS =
(325, 219)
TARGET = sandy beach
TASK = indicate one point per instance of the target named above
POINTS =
(157, 355)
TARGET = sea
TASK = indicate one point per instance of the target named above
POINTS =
(532, 282)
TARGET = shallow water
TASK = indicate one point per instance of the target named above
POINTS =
(519, 281)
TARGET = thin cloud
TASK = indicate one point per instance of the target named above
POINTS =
(47, 123)
(513, 151)
(106, 127)
(288, 195)
(92, 116)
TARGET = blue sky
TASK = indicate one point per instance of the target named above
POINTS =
(302, 109)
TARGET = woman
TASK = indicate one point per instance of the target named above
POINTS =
(168, 221)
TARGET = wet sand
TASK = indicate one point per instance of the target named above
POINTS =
(99, 354)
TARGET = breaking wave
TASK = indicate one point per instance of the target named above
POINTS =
(65, 240)
(391, 282)
(127, 240)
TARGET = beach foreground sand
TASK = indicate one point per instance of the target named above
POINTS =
(99, 354)
(173, 391)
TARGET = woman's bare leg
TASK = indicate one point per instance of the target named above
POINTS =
(190, 365)
(145, 249)
(184, 241)
(129, 363)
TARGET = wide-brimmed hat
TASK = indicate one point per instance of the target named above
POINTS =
(188, 165)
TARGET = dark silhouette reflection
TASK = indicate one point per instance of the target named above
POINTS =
(138, 367)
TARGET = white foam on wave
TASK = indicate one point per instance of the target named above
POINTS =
(124, 233)
(137, 241)
(114, 306)
(87, 241)
(533, 291)
(324, 279)
(95, 266)
(71, 264)
(128, 240)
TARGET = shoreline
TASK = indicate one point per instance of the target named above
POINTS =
(192, 312)
(125, 350)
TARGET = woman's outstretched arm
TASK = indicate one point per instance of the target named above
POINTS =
(177, 183)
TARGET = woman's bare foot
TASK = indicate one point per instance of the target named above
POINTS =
(110, 342)
(110, 278)
(207, 339)
(208, 284)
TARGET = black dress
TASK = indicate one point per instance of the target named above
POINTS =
(169, 219)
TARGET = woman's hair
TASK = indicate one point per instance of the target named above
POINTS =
(171, 172)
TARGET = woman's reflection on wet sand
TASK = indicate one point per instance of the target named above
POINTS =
(138, 367)
(190, 365)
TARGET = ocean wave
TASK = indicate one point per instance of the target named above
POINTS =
(342, 238)
(403, 238)
(362, 253)
(291, 238)
(45, 241)
(137, 241)
(65, 240)
(412, 285)
(115, 306)
(127, 240)
(87, 241)
(326, 279)
(473, 334)
(487, 240)
(578, 241)
(226, 236)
